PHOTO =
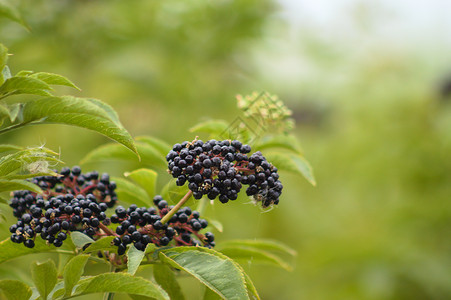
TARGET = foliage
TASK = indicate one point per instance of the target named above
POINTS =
(220, 274)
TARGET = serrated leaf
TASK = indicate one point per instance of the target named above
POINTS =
(15, 289)
(7, 147)
(288, 142)
(79, 239)
(81, 112)
(73, 271)
(158, 144)
(16, 184)
(103, 244)
(146, 179)
(292, 163)
(25, 85)
(21, 159)
(44, 276)
(134, 259)
(54, 79)
(252, 291)
(129, 192)
(120, 283)
(110, 152)
(214, 127)
(10, 250)
(10, 12)
(165, 277)
(213, 269)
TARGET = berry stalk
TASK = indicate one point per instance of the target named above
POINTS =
(176, 208)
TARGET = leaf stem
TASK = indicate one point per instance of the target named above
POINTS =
(169, 215)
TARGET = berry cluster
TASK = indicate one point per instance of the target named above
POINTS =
(142, 226)
(219, 168)
(71, 201)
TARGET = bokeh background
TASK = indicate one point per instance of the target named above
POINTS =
(369, 84)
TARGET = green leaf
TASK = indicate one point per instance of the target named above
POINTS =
(250, 286)
(10, 250)
(10, 12)
(165, 277)
(103, 244)
(158, 144)
(253, 255)
(129, 192)
(15, 184)
(15, 289)
(7, 147)
(288, 142)
(120, 283)
(292, 163)
(24, 158)
(15, 112)
(54, 79)
(213, 269)
(173, 193)
(259, 251)
(73, 271)
(25, 85)
(79, 239)
(262, 244)
(86, 113)
(146, 178)
(149, 155)
(44, 276)
(26, 176)
(215, 224)
(214, 127)
(4, 113)
(134, 259)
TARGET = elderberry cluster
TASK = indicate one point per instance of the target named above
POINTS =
(71, 201)
(218, 169)
(142, 226)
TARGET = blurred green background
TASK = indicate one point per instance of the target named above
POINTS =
(369, 86)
